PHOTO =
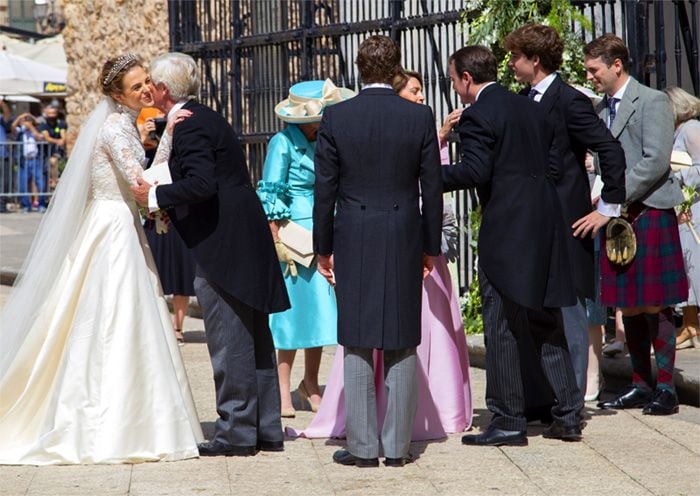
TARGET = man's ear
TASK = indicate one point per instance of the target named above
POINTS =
(535, 60)
(617, 65)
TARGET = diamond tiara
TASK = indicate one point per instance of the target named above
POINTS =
(119, 64)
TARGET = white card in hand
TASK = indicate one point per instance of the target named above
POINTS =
(158, 174)
(597, 188)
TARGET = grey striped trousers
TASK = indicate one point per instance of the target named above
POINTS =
(361, 402)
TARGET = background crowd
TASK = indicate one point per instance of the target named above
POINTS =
(32, 151)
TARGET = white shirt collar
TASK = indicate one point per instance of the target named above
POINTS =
(543, 86)
(176, 107)
(482, 89)
(621, 92)
(376, 85)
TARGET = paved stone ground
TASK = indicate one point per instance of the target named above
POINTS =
(623, 452)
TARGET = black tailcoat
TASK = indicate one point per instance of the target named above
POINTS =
(216, 212)
(509, 152)
(580, 130)
(372, 153)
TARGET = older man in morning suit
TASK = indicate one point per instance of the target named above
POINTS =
(510, 155)
(373, 153)
(238, 280)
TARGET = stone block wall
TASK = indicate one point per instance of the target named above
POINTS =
(98, 29)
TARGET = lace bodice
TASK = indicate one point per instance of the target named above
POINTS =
(119, 157)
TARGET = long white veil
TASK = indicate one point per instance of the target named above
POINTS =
(52, 242)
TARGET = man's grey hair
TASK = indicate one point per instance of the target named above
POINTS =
(178, 72)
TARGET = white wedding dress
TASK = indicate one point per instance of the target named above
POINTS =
(96, 375)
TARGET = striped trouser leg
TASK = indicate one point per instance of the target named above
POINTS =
(360, 403)
(401, 392)
(504, 386)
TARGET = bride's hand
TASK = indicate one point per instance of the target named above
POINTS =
(178, 116)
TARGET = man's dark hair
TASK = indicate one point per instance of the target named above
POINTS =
(609, 47)
(477, 60)
(537, 39)
(378, 60)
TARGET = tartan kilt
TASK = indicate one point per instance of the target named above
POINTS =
(656, 276)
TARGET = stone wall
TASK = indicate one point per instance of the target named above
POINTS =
(98, 29)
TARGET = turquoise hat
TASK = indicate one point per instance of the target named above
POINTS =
(307, 100)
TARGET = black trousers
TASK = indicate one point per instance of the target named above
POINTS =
(505, 323)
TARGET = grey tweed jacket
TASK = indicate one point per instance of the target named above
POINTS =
(644, 127)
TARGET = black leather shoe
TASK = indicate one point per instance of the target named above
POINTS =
(563, 432)
(630, 397)
(270, 446)
(496, 437)
(399, 462)
(344, 457)
(215, 448)
(665, 402)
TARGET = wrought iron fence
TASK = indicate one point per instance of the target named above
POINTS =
(251, 51)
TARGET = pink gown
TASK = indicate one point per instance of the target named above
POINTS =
(444, 392)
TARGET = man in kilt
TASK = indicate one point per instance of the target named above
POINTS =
(642, 120)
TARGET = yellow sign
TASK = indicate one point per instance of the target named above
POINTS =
(54, 87)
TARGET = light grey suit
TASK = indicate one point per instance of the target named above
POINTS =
(644, 127)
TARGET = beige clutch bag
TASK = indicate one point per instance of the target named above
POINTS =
(299, 242)
(680, 160)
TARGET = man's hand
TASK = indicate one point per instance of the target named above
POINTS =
(428, 264)
(177, 117)
(324, 264)
(590, 223)
(141, 191)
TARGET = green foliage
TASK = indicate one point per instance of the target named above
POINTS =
(471, 301)
(489, 21)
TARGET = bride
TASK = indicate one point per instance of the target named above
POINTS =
(90, 371)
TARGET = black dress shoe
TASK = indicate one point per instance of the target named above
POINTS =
(630, 397)
(270, 446)
(496, 437)
(344, 457)
(215, 448)
(665, 402)
(399, 462)
(563, 432)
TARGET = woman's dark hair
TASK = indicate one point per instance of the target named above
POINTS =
(113, 72)
(401, 79)
(378, 60)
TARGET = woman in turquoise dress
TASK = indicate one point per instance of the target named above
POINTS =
(287, 194)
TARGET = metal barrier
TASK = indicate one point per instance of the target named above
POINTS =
(24, 177)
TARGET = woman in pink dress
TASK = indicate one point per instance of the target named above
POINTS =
(444, 391)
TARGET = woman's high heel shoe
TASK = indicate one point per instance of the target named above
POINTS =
(688, 338)
(304, 396)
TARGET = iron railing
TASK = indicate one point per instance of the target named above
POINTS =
(251, 51)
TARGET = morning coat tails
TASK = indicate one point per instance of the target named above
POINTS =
(372, 154)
